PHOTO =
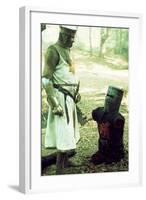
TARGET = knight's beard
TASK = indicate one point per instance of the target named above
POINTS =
(68, 44)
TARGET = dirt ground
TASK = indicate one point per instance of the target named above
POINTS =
(94, 81)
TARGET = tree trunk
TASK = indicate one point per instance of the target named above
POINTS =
(104, 33)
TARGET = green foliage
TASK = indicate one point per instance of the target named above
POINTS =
(95, 79)
(101, 42)
(116, 42)
(104, 42)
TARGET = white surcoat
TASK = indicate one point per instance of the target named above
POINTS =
(60, 133)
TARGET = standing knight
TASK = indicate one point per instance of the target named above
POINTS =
(61, 87)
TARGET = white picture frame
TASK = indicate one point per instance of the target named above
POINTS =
(29, 79)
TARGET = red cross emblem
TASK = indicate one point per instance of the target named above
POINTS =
(104, 130)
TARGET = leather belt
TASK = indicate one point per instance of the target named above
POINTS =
(65, 92)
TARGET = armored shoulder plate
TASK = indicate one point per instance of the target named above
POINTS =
(98, 113)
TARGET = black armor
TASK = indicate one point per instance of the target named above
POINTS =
(111, 128)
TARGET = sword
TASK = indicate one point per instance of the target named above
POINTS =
(76, 93)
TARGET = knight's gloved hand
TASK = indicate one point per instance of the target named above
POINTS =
(78, 98)
(57, 110)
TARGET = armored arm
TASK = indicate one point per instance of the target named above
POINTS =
(51, 60)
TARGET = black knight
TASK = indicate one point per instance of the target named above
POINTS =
(110, 127)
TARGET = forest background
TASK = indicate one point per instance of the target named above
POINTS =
(100, 56)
